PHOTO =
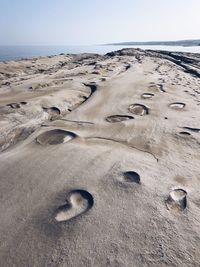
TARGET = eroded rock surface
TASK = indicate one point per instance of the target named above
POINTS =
(99, 160)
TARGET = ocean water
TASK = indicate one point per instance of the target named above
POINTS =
(18, 52)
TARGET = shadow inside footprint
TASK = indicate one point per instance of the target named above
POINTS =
(131, 177)
(78, 202)
(147, 96)
(119, 118)
(138, 109)
(54, 137)
(177, 200)
(177, 105)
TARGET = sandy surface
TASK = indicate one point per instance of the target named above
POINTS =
(99, 162)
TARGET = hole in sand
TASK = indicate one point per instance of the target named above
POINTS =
(184, 133)
(54, 137)
(132, 177)
(138, 109)
(177, 105)
(147, 95)
(177, 200)
(78, 202)
(23, 103)
(119, 118)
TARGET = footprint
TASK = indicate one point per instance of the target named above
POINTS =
(119, 118)
(177, 105)
(131, 177)
(138, 109)
(147, 95)
(78, 202)
(177, 200)
(54, 137)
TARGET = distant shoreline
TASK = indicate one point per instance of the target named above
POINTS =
(183, 43)
(9, 53)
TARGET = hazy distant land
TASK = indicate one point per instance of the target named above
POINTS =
(168, 43)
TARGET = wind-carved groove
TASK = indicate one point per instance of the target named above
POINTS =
(92, 86)
(19, 133)
(186, 63)
(127, 66)
(82, 122)
(196, 130)
(125, 144)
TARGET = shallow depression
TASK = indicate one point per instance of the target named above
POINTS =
(147, 96)
(14, 105)
(54, 137)
(138, 109)
(131, 177)
(78, 202)
(177, 105)
(119, 118)
(177, 200)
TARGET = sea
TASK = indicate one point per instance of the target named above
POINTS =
(20, 52)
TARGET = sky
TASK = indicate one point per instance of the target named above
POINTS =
(88, 22)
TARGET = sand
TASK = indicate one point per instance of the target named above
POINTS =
(99, 160)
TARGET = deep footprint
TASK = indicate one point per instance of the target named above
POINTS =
(177, 105)
(177, 200)
(147, 96)
(119, 118)
(78, 202)
(138, 109)
(55, 137)
(131, 177)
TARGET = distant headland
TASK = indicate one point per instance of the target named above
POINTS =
(170, 43)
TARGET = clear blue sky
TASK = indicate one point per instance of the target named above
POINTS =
(69, 22)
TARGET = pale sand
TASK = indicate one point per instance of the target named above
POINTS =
(99, 162)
